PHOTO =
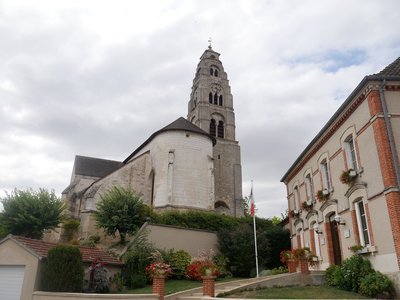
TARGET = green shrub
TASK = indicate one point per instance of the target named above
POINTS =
(376, 285)
(179, 261)
(70, 227)
(138, 280)
(136, 259)
(222, 262)
(353, 269)
(332, 275)
(63, 270)
(116, 283)
(280, 270)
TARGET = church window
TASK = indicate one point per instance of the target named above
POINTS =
(216, 73)
(220, 100)
(211, 71)
(221, 129)
(210, 98)
(215, 99)
(212, 127)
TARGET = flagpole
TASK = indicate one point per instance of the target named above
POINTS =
(254, 226)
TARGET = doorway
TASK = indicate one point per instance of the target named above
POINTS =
(337, 255)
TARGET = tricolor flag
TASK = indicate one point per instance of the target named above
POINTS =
(252, 205)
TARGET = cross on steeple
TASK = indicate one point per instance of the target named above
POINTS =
(209, 43)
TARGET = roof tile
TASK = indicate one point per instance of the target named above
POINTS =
(41, 248)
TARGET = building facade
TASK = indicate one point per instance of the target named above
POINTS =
(344, 188)
(189, 164)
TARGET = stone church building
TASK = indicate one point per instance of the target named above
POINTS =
(192, 163)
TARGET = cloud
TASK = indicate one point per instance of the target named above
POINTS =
(97, 78)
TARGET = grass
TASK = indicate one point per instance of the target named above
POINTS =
(173, 286)
(297, 292)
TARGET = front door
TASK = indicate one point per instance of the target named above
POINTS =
(335, 240)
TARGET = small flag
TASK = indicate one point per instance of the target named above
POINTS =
(252, 205)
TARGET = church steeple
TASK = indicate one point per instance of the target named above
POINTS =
(211, 108)
(210, 104)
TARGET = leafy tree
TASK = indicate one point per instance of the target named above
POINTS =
(29, 213)
(238, 246)
(120, 210)
(63, 270)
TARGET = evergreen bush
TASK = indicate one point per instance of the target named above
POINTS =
(332, 275)
(376, 285)
(353, 269)
(63, 270)
(136, 259)
(179, 261)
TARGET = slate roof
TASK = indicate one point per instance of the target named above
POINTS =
(392, 69)
(95, 167)
(389, 73)
(180, 124)
(41, 248)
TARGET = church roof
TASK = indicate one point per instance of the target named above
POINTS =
(180, 124)
(95, 167)
(389, 73)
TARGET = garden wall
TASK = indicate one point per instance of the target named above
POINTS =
(80, 296)
(192, 241)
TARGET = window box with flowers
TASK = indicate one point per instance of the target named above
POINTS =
(307, 205)
(348, 177)
(323, 195)
(295, 213)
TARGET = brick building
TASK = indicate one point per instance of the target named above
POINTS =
(344, 188)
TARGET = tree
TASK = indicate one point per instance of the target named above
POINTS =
(238, 246)
(120, 210)
(29, 213)
(63, 270)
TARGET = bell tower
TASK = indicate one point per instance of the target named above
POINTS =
(211, 108)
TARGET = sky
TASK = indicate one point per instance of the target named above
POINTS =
(97, 78)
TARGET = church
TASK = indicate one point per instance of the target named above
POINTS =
(190, 164)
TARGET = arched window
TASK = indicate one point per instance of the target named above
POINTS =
(211, 71)
(309, 188)
(220, 100)
(210, 98)
(215, 99)
(351, 153)
(212, 127)
(216, 73)
(326, 180)
(221, 129)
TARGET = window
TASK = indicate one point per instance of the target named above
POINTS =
(221, 129)
(309, 188)
(210, 98)
(325, 175)
(211, 72)
(296, 197)
(216, 73)
(316, 240)
(215, 99)
(351, 153)
(212, 127)
(362, 223)
(220, 100)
